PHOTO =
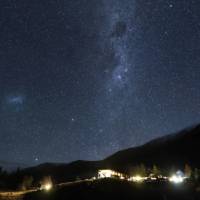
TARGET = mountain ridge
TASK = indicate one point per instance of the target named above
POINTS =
(172, 151)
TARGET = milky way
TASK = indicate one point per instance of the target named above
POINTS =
(118, 87)
(83, 79)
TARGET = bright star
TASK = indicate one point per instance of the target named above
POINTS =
(119, 77)
(72, 119)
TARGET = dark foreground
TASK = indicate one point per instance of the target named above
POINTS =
(116, 189)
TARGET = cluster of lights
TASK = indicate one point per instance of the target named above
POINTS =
(137, 178)
(176, 179)
(107, 173)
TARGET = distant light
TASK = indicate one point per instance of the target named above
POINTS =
(107, 173)
(119, 77)
(137, 178)
(110, 90)
(126, 70)
(72, 119)
(176, 179)
(48, 186)
(36, 159)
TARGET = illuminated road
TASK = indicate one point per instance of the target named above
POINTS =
(18, 195)
(74, 182)
(11, 195)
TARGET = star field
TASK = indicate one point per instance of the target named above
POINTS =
(83, 79)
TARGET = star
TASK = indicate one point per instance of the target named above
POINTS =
(110, 90)
(119, 77)
(101, 130)
(126, 70)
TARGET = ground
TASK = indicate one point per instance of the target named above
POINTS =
(117, 189)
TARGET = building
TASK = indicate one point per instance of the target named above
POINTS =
(107, 173)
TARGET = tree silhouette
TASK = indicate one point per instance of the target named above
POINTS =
(27, 183)
(139, 170)
(196, 174)
(188, 171)
(156, 171)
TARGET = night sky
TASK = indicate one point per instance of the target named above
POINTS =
(82, 79)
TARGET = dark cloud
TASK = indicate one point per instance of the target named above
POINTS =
(119, 29)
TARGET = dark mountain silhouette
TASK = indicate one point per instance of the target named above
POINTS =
(10, 166)
(61, 172)
(172, 151)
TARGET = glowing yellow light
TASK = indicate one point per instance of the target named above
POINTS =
(137, 178)
(46, 183)
(48, 186)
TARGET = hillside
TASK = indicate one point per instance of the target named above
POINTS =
(11, 166)
(170, 151)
